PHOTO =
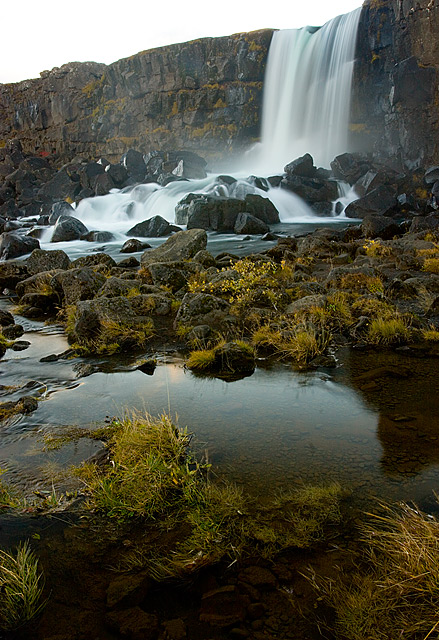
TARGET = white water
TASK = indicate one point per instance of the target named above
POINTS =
(306, 110)
(307, 92)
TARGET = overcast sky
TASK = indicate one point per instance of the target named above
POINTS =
(42, 34)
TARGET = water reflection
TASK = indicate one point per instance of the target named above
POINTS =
(371, 423)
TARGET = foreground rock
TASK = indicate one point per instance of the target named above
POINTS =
(181, 246)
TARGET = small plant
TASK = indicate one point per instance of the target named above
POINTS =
(201, 359)
(431, 265)
(361, 282)
(9, 498)
(375, 249)
(387, 331)
(21, 587)
(431, 334)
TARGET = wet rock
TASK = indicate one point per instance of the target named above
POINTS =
(233, 358)
(61, 208)
(98, 236)
(155, 227)
(134, 164)
(117, 173)
(181, 246)
(89, 173)
(246, 223)
(68, 228)
(303, 166)
(60, 187)
(6, 318)
(348, 167)
(42, 260)
(148, 367)
(262, 208)
(20, 345)
(13, 331)
(133, 245)
(379, 201)
(90, 315)
(13, 245)
(223, 607)
(134, 623)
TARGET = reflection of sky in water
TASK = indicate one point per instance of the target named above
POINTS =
(273, 429)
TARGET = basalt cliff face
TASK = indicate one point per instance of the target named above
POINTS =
(395, 109)
(203, 96)
(206, 95)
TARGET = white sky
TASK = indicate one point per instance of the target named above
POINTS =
(42, 34)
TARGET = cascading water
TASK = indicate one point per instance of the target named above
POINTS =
(307, 92)
(306, 110)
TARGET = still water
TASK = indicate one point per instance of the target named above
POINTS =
(372, 423)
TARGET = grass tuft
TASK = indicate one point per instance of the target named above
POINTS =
(21, 586)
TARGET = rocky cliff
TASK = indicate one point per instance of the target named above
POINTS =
(206, 95)
(203, 96)
(396, 99)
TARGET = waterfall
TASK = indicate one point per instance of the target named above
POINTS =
(305, 110)
(307, 89)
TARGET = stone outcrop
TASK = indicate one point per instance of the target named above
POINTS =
(395, 98)
(200, 95)
(205, 96)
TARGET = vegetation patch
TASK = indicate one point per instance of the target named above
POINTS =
(151, 475)
(388, 331)
(21, 587)
(393, 592)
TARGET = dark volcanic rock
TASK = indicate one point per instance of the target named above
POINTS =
(246, 223)
(41, 260)
(303, 166)
(68, 228)
(78, 284)
(379, 227)
(181, 246)
(155, 227)
(98, 236)
(13, 245)
(11, 273)
(379, 201)
(133, 245)
(59, 209)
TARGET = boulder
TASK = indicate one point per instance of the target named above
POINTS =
(431, 175)
(233, 358)
(11, 273)
(311, 189)
(349, 167)
(379, 227)
(93, 260)
(13, 245)
(6, 318)
(115, 287)
(60, 187)
(248, 224)
(68, 228)
(172, 274)
(134, 164)
(155, 227)
(261, 208)
(181, 246)
(303, 166)
(41, 260)
(61, 208)
(133, 245)
(379, 201)
(305, 304)
(89, 173)
(117, 173)
(202, 308)
(154, 304)
(77, 284)
(98, 236)
(103, 184)
(90, 315)
(424, 223)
